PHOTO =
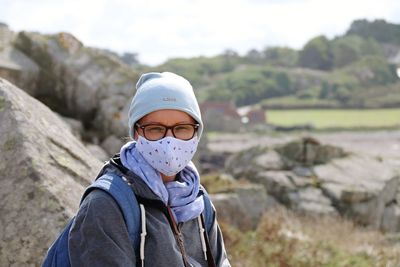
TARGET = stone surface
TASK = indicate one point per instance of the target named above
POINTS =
(112, 144)
(254, 200)
(270, 160)
(43, 172)
(315, 178)
(243, 207)
(81, 82)
(360, 192)
(391, 218)
(311, 201)
(15, 66)
(230, 210)
(75, 126)
(307, 152)
(98, 152)
(250, 162)
(277, 184)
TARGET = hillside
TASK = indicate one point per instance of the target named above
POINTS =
(355, 70)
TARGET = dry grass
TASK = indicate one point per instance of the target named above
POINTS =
(284, 239)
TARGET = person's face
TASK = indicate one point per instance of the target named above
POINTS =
(167, 117)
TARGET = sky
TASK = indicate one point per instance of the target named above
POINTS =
(160, 29)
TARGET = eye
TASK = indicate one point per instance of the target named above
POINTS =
(155, 128)
(183, 128)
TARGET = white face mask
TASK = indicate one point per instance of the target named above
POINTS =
(167, 155)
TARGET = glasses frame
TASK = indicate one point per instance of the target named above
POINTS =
(195, 125)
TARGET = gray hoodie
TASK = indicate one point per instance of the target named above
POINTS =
(99, 236)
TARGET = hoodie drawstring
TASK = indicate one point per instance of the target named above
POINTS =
(203, 240)
(143, 233)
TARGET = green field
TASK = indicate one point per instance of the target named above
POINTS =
(336, 118)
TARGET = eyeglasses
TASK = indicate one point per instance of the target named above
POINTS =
(154, 132)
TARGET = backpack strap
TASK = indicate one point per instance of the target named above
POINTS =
(123, 194)
(208, 212)
(207, 219)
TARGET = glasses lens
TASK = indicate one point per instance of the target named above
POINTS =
(154, 132)
(184, 131)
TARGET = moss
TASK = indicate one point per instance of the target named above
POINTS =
(218, 183)
(10, 144)
(2, 103)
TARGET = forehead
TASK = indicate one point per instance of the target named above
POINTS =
(167, 116)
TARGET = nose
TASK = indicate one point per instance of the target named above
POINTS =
(169, 132)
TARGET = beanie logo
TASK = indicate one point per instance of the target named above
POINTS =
(170, 99)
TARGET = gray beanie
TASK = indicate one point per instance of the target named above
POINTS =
(155, 91)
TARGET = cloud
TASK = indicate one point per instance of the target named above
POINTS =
(158, 29)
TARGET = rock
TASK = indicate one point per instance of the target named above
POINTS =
(277, 184)
(75, 126)
(270, 160)
(391, 218)
(254, 201)
(250, 162)
(351, 172)
(314, 178)
(303, 171)
(307, 152)
(311, 201)
(243, 207)
(98, 152)
(43, 171)
(381, 210)
(208, 161)
(230, 210)
(80, 82)
(112, 145)
(15, 66)
(302, 181)
(6, 36)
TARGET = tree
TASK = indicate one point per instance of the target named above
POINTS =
(254, 56)
(281, 56)
(379, 30)
(317, 54)
(131, 59)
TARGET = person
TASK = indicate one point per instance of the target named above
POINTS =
(165, 127)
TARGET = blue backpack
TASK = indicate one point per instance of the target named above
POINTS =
(58, 253)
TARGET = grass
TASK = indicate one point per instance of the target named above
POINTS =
(336, 118)
(284, 239)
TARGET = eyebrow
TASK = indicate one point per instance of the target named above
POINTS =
(157, 122)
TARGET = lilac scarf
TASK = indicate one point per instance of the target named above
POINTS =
(180, 195)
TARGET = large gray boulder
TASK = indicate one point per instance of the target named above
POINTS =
(81, 82)
(43, 171)
(364, 189)
(241, 207)
(15, 66)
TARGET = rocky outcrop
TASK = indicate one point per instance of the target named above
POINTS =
(313, 178)
(43, 172)
(15, 66)
(80, 82)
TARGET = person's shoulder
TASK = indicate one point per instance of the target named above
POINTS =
(99, 199)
